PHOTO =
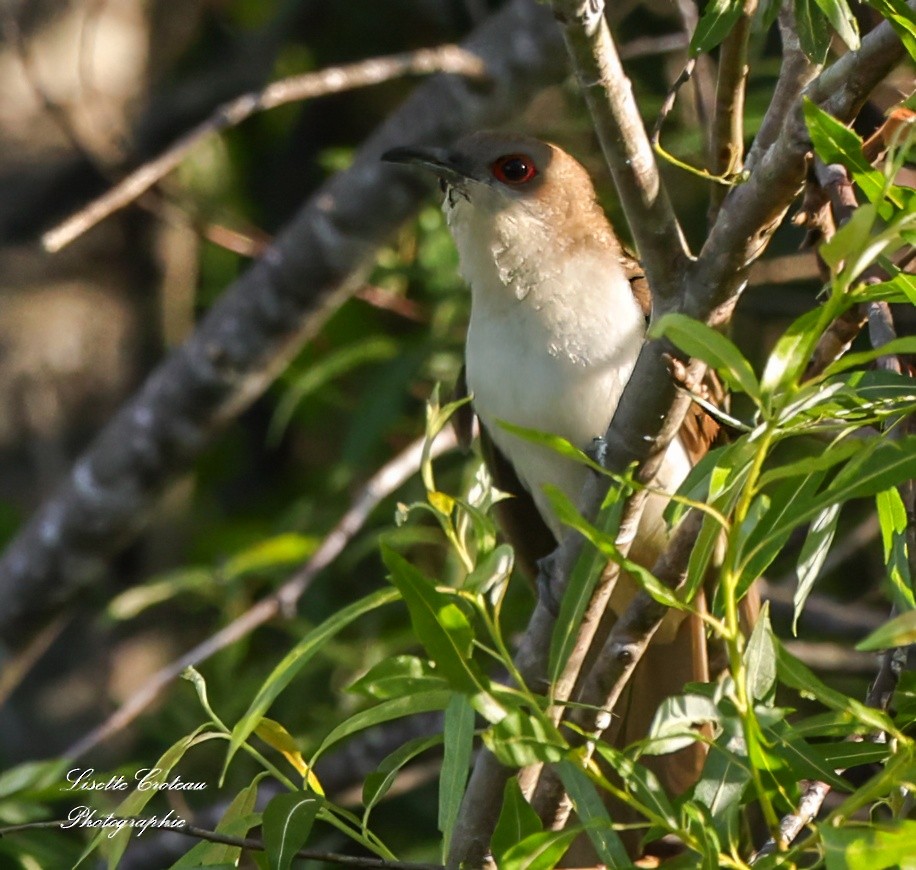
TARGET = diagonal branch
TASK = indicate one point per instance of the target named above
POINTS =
(445, 58)
(625, 143)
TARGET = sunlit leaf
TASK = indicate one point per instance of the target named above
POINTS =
(900, 631)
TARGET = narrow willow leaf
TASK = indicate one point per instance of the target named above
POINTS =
(900, 631)
(760, 658)
(726, 774)
(237, 821)
(520, 739)
(594, 815)
(540, 851)
(702, 342)
(459, 743)
(377, 783)
(296, 659)
(789, 357)
(398, 676)
(386, 711)
(439, 623)
(813, 33)
(902, 18)
(275, 735)
(893, 521)
(675, 723)
(643, 785)
(811, 559)
(719, 17)
(797, 676)
(842, 21)
(836, 143)
(288, 821)
(517, 820)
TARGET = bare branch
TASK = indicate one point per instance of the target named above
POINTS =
(727, 149)
(795, 74)
(282, 601)
(332, 80)
(621, 653)
(260, 321)
(625, 144)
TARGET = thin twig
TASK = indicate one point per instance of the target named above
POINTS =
(727, 147)
(282, 602)
(795, 74)
(446, 59)
(242, 842)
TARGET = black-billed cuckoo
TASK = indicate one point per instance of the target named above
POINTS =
(558, 317)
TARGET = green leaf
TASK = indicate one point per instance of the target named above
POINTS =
(396, 677)
(134, 803)
(702, 342)
(790, 356)
(606, 544)
(901, 18)
(288, 821)
(675, 723)
(377, 783)
(866, 847)
(842, 21)
(904, 345)
(836, 143)
(726, 774)
(366, 350)
(594, 815)
(811, 559)
(395, 708)
(280, 550)
(444, 631)
(719, 17)
(296, 659)
(643, 786)
(760, 658)
(517, 820)
(237, 821)
(893, 521)
(539, 851)
(795, 675)
(584, 576)
(900, 631)
(813, 33)
(520, 739)
(459, 744)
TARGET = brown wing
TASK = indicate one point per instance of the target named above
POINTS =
(463, 418)
(519, 517)
(699, 431)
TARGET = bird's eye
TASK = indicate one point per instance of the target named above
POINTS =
(514, 169)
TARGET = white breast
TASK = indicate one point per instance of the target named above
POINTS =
(551, 343)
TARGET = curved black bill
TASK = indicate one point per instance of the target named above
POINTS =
(436, 160)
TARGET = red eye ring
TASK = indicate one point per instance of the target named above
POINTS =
(514, 169)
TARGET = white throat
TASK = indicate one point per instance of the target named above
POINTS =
(553, 338)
